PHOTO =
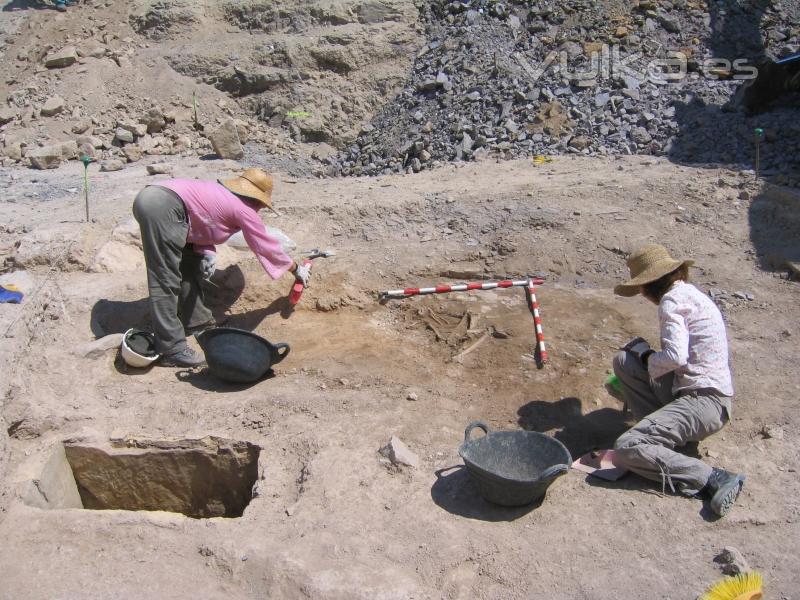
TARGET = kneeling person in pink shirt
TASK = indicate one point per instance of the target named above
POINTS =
(181, 221)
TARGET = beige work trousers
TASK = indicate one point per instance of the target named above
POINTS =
(666, 423)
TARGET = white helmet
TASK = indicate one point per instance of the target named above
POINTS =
(138, 348)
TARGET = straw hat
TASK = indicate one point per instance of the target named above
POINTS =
(252, 183)
(647, 264)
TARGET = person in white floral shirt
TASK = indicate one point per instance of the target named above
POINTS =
(681, 393)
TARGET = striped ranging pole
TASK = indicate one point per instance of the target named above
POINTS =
(533, 303)
(460, 287)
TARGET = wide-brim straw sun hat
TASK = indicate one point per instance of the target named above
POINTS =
(252, 183)
(648, 264)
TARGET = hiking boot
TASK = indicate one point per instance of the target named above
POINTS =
(183, 358)
(724, 488)
(61, 6)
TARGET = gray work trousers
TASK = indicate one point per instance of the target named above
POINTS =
(173, 269)
(666, 423)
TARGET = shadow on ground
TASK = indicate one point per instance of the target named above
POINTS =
(453, 491)
(204, 380)
(28, 5)
(709, 133)
(578, 432)
(774, 217)
(117, 316)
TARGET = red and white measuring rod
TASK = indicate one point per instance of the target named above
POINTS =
(537, 320)
(458, 287)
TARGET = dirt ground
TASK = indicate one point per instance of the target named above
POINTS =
(332, 519)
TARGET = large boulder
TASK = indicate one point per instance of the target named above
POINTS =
(225, 141)
(63, 58)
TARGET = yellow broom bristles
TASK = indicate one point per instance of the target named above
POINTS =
(746, 586)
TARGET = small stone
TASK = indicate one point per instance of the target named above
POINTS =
(137, 129)
(154, 120)
(732, 561)
(52, 106)
(621, 31)
(159, 169)
(132, 152)
(46, 157)
(13, 149)
(111, 165)
(669, 23)
(467, 142)
(225, 141)
(772, 432)
(81, 127)
(63, 58)
(579, 142)
(89, 140)
(600, 100)
(412, 396)
(69, 150)
(123, 136)
(633, 94)
(640, 135)
(397, 452)
(7, 114)
(100, 346)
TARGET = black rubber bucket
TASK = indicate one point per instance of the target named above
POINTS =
(513, 468)
(239, 356)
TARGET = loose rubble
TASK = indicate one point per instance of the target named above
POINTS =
(732, 561)
(513, 80)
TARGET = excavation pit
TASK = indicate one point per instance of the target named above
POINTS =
(200, 478)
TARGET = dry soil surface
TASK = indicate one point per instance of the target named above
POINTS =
(332, 518)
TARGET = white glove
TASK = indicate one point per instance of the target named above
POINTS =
(208, 264)
(303, 273)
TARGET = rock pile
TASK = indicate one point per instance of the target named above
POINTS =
(576, 76)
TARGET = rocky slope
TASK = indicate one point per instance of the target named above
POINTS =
(94, 79)
(572, 76)
(367, 87)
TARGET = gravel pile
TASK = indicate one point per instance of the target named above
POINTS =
(517, 78)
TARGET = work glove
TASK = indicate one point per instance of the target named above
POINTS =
(208, 264)
(303, 273)
(640, 348)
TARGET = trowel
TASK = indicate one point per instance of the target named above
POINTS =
(298, 287)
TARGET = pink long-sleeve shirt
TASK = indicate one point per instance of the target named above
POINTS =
(215, 214)
(693, 342)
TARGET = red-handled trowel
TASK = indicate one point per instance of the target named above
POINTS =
(298, 287)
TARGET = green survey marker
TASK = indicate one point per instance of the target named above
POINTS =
(86, 160)
(759, 135)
